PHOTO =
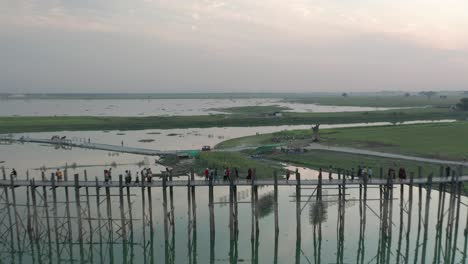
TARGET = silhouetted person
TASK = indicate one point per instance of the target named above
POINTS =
(447, 171)
(402, 173)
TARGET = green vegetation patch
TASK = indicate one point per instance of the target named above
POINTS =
(382, 101)
(79, 123)
(436, 140)
(241, 161)
(252, 110)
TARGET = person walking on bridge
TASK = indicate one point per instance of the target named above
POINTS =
(249, 174)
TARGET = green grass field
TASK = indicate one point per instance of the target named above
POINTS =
(382, 101)
(82, 123)
(436, 140)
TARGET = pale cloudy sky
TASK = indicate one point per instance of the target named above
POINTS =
(232, 46)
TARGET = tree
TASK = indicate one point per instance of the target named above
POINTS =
(316, 136)
(344, 94)
(407, 94)
(463, 104)
(428, 94)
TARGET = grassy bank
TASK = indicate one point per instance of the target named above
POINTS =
(381, 101)
(437, 140)
(82, 123)
(241, 161)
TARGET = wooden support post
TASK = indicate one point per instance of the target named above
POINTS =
(10, 220)
(165, 212)
(122, 214)
(252, 205)
(344, 189)
(457, 217)
(410, 212)
(130, 212)
(275, 175)
(231, 210)
(35, 217)
(211, 207)
(98, 208)
(298, 206)
(110, 225)
(88, 212)
(171, 199)
(17, 219)
(78, 214)
(150, 207)
(67, 210)
(426, 218)
(46, 212)
(257, 209)
(194, 201)
(29, 224)
(54, 202)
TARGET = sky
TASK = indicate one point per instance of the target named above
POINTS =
(232, 46)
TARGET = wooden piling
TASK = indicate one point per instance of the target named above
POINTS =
(29, 224)
(35, 218)
(194, 201)
(46, 212)
(67, 210)
(171, 199)
(211, 209)
(426, 218)
(10, 220)
(78, 214)
(15, 209)
(252, 205)
(275, 175)
(110, 224)
(98, 208)
(298, 206)
(231, 210)
(165, 212)
(122, 212)
(54, 202)
(88, 212)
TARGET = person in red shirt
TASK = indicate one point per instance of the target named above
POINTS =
(207, 173)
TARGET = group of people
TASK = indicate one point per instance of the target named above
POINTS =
(210, 173)
(146, 175)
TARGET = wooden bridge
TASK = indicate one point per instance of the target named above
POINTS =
(221, 183)
(54, 231)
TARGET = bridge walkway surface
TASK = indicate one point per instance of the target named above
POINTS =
(201, 183)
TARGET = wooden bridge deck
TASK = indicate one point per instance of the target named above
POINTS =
(201, 183)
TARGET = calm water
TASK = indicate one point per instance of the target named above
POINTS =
(152, 107)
